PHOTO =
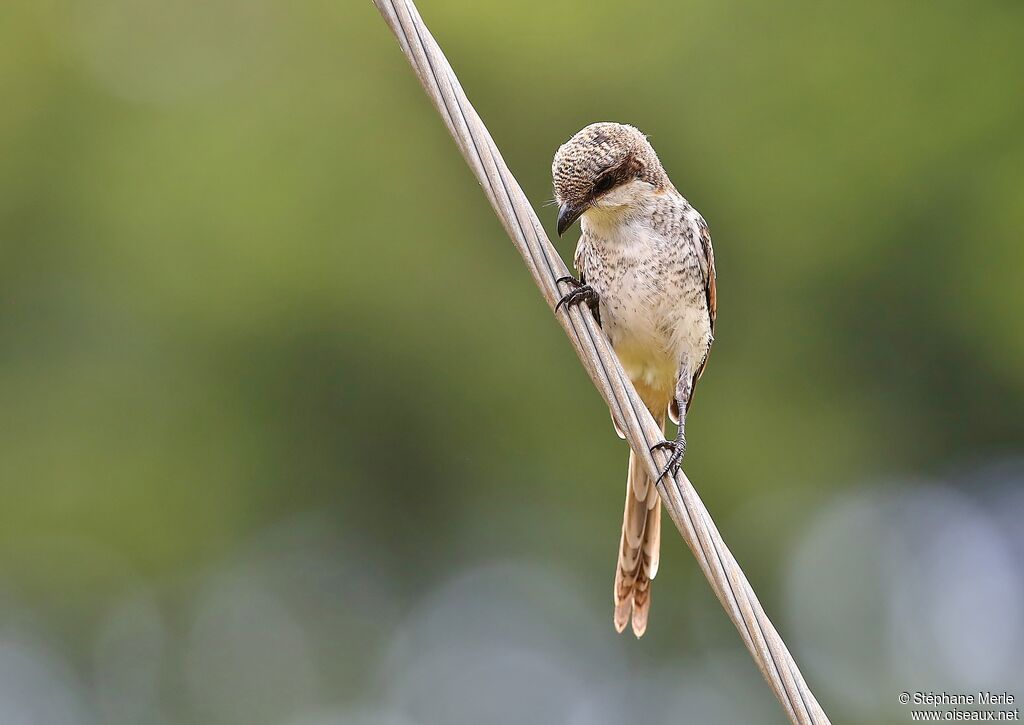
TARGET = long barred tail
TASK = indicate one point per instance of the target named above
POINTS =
(639, 548)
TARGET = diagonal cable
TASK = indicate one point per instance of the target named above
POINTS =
(683, 504)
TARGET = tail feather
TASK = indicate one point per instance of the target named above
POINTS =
(639, 550)
(641, 608)
(652, 542)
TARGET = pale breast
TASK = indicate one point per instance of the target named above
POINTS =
(653, 301)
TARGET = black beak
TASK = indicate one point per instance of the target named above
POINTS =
(567, 214)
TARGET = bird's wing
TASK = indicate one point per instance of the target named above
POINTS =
(706, 257)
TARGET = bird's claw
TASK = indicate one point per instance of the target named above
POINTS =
(579, 293)
(678, 448)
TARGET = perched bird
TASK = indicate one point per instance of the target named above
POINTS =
(648, 271)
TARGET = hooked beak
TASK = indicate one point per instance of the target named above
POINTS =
(567, 214)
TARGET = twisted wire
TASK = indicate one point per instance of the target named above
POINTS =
(684, 506)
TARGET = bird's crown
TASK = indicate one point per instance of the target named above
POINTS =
(600, 157)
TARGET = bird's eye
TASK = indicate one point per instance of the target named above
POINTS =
(605, 183)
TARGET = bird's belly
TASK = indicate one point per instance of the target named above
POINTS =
(645, 364)
(643, 346)
(655, 342)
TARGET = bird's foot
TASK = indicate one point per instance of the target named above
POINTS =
(578, 293)
(678, 448)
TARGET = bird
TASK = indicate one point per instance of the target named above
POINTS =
(647, 269)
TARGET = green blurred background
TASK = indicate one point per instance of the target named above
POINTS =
(290, 437)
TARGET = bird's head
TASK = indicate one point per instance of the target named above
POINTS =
(604, 168)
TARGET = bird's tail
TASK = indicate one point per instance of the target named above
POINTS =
(639, 547)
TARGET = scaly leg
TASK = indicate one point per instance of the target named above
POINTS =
(684, 386)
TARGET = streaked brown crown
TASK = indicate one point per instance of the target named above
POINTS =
(599, 158)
